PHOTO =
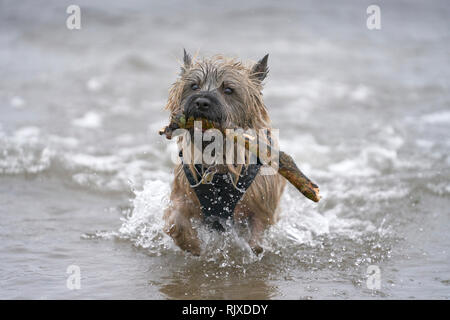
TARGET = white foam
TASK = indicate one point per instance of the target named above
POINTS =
(439, 188)
(374, 158)
(89, 120)
(440, 117)
(29, 150)
(144, 225)
(352, 167)
(24, 152)
(94, 84)
(95, 163)
(17, 102)
(360, 93)
(308, 92)
(114, 172)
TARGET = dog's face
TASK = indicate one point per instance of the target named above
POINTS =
(223, 90)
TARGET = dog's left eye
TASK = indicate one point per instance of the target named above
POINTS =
(228, 90)
(195, 86)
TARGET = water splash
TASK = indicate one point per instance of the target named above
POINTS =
(303, 235)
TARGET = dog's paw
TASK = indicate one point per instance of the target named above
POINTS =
(193, 247)
(195, 251)
(257, 249)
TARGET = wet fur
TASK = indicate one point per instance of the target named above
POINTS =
(244, 109)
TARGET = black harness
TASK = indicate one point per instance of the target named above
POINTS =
(216, 192)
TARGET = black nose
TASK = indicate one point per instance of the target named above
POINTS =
(202, 103)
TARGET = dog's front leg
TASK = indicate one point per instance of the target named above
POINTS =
(178, 225)
(257, 229)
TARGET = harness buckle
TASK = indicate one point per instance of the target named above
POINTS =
(208, 176)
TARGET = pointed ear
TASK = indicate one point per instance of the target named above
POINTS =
(187, 60)
(260, 69)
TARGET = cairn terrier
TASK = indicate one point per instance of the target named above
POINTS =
(228, 92)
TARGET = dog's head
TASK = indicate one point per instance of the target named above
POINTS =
(223, 90)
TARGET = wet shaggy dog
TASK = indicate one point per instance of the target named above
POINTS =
(228, 92)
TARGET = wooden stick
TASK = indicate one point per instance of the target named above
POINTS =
(287, 167)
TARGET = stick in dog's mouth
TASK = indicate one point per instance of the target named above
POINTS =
(287, 167)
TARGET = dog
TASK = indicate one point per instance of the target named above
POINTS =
(226, 91)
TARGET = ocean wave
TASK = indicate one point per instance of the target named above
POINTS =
(31, 151)
(24, 152)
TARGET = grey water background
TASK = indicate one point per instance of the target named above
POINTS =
(84, 177)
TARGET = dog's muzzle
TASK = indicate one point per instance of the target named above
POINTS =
(204, 105)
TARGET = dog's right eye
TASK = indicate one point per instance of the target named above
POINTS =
(195, 86)
(228, 90)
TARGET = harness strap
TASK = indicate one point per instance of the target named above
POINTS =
(218, 197)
